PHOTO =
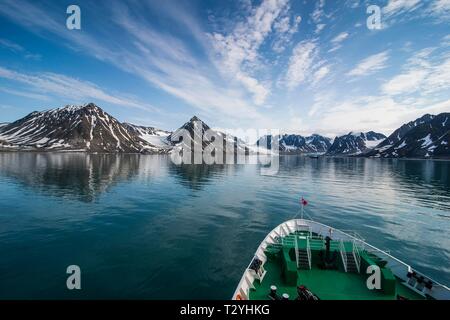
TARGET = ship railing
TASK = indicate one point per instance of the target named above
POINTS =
(308, 250)
(302, 227)
(354, 235)
(357, 255)
(343, 254)
(288, 241)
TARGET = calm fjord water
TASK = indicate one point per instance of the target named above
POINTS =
(141, 227)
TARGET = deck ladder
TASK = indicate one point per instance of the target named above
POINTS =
(357, 255)
(296, 252)
(343, 254)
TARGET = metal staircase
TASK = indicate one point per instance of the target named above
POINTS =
(303, 260)
(351, 263)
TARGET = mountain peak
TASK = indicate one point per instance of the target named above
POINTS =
(195, 118)
(72, 107)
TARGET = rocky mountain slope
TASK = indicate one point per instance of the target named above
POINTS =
(73, 128)
(293, 143)
(196, 129)
(355, 143)
(427, 136)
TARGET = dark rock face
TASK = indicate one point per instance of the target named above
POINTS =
(293, 143)
(427, 136)
(355, 143)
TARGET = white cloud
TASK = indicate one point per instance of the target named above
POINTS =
(340, 37)
(160, 59)
(320, 27)
(336, 41)
(370, 64)
(446, 40)
(440, 9)
(284, 30)
(322, 101)
(318, 12)
(408, 82)
(301, 63)
(380, 113)
(353, 3)
(422, 75)
(397, 7)
(320, 74)
(239, 49)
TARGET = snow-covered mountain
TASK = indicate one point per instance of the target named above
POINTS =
(196, 129)
(427, 136)
(293, 143)
(151, 135)
(73, 128)
(355, 143)
(88, 128)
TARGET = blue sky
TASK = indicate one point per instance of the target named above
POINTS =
(298, 66)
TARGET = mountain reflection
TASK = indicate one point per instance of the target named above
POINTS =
(85, 176)
(73, 175)
(196, 176)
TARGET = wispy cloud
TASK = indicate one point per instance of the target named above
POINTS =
(284, 30)
(421, 74)
(67, 87)
(440, 10)
(319, 27)
(226, 64)
(320, 74)
(337, 41)
(238, 50)
(370, 65)
(381, 112)
(160, 59)
(11, 45)
(18, 49)
(26, 94)
(397, 7)
(318, 12)
(301, 63)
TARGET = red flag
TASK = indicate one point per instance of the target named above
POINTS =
(304, 202)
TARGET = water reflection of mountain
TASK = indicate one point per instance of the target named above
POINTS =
(196, 176)
(73, 175)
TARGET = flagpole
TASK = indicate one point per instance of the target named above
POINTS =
(302, 212)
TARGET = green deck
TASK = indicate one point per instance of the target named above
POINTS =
(326, 284)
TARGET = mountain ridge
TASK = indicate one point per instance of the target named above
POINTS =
(88, 128)
(355, 143)
(293, 143)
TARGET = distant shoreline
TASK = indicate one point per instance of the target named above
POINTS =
(305, 155)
